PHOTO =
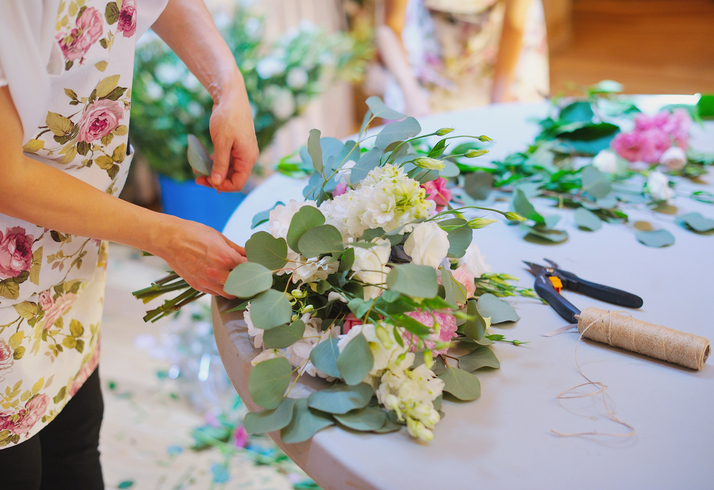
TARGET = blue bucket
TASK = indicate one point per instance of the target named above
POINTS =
(191, 201)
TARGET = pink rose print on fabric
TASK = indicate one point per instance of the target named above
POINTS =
(6, 359)
(85, 372)
(447, 328)
(24, 419)
(127, 18)
(45, 300)
(436, 191)
(100, 119)
(58, 308)
(78, 40)
(15, 252)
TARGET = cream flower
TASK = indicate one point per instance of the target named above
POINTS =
(281, 216)
(658, 187)
(474, 261)
(605, 161)
(428, 244)
(370, 266)
(674, 158)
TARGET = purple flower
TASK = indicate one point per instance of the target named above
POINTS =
(15, 252)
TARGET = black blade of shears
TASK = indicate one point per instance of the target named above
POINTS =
(545, 289)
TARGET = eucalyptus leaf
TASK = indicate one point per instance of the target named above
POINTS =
(450, 170)
(355, 361)
(263, 216)
(414, 280)
(315, 150)
(549, 235)
(523, 206)
(579, 111)
(655, 238)
(379, 109)
(587, 219)
(324, 239)
(497, 309)
(480, 358)
(266, 250)
(697, 222)
(364, 419)
(248, 279)
(268, 382)
(270, 420)
(305, 423)
(475, 326)
(397, 131)
(284, 336)
(461, 384)
(306, 218)
(367, 162)
(341, 398)
(198, 156)
(270, 309)
(594, 182)
(324, 357)
(459, 241)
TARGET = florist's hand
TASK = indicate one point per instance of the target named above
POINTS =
(233, 135)
(203, 257)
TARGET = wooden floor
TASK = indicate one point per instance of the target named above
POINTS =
(651, 46)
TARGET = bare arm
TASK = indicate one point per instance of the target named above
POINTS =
(33, 191)
(509, 48)
(188, 29)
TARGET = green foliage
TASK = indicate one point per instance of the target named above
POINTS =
(413, 280)
(324, 239)
(284, 336)
(248, 279)
(355, 361)
(655, 238)
(498, 310)
(198, 156)
(262, 248)
(270, 420)
(461, 384)
(324, 357)
(268, 382)
(480, 358)
(270, 309)
(305, 423)
(697, 222)
(306, 218)
(340, 398)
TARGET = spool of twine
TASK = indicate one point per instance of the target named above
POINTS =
(645, 338)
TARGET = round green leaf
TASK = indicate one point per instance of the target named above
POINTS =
(315, 150)
(270, 309)
(285, 336)
(341, 398)
(324, 357)
(355, 361)
(594, 182)
(397, 131)
(498, 309)
(248, 279)
(656, 238)
(480, 358)
(380, 109)
(268, 382)
(307, 217)
(364, 419)
(320, 240)
(475, 327)
(697, 222)
(270, 420)
(305, 423)
(266, 250)
(523, 206)
(459, 241)
(462, 385)
(547, 235)
(587, 219)
(413, 280)
(198, 156)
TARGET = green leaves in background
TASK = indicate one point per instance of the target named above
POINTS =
(397, 131)
(380, 109)
(461, 384)
(306, 218)
(696, 222)
(248, 279)
(284, 336)
(355, 361)
(587, 219)
(270, 309)
(270, 420)
(268, 382)
(418, 281)
(368, 161)
(319, 240)
(263, 216)
(264, 249)
(523, 206)
(315, 150)
(305, 423)
(365, 419)
(705, 106)
(324, 357)
(340, 398)
(489, 306)
(459, 241)
(655, 238)
(594, 182)
(198, 156)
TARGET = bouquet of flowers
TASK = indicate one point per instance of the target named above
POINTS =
(600, 155)
(368, 284)
(281, 79)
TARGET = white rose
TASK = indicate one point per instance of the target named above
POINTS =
(280, 217)
(427, 245)
(605, 161)
(474, 261)
(266, 355)
(311, 270)
(253, 331)
(674, 158)
(658, 186)
(370, 266)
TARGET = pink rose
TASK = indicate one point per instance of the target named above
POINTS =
(436, 191)
(658, 143)
(59, 308)
(27, 417)
(15, 252)
(446, 322)
(45, 300)
(350, 321)
(633, 147)
(340, 189)
(88, 30)
(464, 277)
(100, 119)
(6, 358)
(85, 372)
(127, 18)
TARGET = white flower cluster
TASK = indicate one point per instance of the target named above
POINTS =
(387, 198)
(409, 392)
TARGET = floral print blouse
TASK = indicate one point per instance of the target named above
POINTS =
(52, 283)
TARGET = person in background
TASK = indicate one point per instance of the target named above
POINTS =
(441, 55)
(65, 96)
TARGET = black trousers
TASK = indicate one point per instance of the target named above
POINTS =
(63, 455)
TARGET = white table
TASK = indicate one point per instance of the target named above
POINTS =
(503, 440)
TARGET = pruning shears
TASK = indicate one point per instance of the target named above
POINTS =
(551, 279)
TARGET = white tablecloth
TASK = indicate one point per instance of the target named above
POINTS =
(504, 440)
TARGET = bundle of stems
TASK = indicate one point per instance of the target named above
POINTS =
(170, 283)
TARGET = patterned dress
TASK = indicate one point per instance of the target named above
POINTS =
(52, 283)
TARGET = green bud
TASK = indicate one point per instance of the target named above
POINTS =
(508, 277)
(483, 138)
(428, 359)
(444, 131)
(514, 217)
(429, 163)
(383, 336)
(308, 309)
(297, 293)
(475, 153)
(477, 223)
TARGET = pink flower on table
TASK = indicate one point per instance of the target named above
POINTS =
(88, 30)
(127, 18)
(633, 147)
(446, 323)
(15, 252)
(6, 356)
(675, 125)
(436, 191)
(85, 372)
(100, 119)
(60, 306)
(241, 437)
(350, 321)
(659, 142)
